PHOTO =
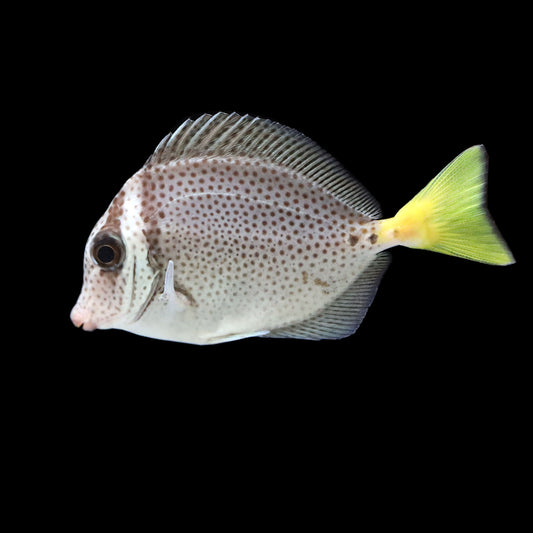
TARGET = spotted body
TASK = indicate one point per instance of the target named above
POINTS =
(236, 227)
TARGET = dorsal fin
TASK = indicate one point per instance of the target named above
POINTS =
(233, 135)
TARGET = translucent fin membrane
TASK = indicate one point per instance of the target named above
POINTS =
(232, 135)
(450, 216)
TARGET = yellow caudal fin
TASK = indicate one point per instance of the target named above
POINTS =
(449, 215)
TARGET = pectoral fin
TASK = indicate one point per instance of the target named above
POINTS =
(175, 301)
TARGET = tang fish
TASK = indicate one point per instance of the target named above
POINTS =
(239, 226)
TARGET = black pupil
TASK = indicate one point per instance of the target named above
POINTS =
(106, 254)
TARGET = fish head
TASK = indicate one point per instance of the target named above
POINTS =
(118, 276)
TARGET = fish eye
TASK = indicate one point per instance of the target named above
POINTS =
(108, 251)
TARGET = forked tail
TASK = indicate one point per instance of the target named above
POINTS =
(450, 216)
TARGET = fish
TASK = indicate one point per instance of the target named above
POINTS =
(238, 226)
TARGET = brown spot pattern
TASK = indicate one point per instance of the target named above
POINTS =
(247, 237)
(353, 240)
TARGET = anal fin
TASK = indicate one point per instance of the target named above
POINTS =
(236, 337)
(343, 316)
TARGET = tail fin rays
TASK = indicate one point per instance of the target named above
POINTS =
(450, 216)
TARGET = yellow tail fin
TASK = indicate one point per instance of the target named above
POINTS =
(449, 215)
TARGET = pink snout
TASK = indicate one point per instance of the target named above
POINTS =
(82, 317)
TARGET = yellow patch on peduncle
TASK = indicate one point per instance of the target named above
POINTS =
(412, 226)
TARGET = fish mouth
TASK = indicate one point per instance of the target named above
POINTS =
(82, 318)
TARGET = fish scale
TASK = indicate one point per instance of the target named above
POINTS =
(238, 226)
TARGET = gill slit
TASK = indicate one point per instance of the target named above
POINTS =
(151, 294)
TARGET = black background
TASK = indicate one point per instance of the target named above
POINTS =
(430, 390)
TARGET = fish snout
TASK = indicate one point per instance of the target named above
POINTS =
(82, 317)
